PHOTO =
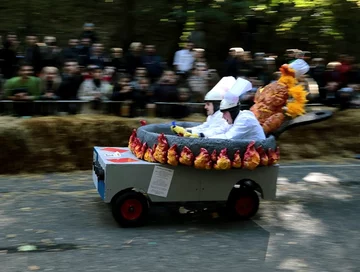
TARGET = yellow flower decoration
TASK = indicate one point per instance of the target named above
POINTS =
(294, 109)
(288, 81)
(299, 94)
(296, 106)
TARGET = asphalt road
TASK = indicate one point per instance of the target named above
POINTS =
(57, 222)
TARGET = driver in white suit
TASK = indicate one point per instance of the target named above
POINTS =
(215, 123)
(243, 124)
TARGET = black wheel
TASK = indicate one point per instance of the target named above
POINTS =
(130, 209)
(242, 204)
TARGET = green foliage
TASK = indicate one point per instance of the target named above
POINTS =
(308, 24)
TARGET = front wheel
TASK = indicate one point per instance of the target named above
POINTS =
(130, 209)
(242, 204)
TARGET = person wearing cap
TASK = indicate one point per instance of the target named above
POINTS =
(243, 124)
(89, 33)
(214, 124)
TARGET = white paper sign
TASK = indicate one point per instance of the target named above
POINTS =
(115, 154)
(160, 181)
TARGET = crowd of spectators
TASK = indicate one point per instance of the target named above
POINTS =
(84, 70)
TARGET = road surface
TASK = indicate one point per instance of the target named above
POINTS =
(57, 222)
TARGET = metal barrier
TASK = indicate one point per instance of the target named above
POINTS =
(119, 108)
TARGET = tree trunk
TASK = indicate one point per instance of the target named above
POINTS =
(129, 22)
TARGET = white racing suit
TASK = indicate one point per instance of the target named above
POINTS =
(215, 124)
(245, 127)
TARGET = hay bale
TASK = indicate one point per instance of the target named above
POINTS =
(14, 149)
(47, 144)
(337, 137)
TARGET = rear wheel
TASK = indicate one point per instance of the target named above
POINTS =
(130, 209)
(243, 204)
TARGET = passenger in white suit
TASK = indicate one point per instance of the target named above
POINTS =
(214, 123)
(243, 124)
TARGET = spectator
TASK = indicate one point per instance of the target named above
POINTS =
(23, 87)
(246, 67)
(84, 52)
(32, 53)
(50, 53)
(317, 72)
(117, 60)
(72, 51)
(98, 57)
(344, 70)
(140, 73)
(181, 111)
(269, 68)
(212, 78)
(8, 59)
(166, 88)
(198, 82)
(332, 80)
(184, 60)
(134, 58)
(12, 37)
(199, 56)
(232, 64)
(290, 55)
(152, 63)
(71, 81)
(109, 74)
(50, 81)
(95, 89)
(89, 33)
(143, 94)
(122, 90)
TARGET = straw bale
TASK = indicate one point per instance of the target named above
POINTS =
(65, 143)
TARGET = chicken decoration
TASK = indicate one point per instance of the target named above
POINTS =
(161, 149)
(237, 163)
(140, 150)
(136, 146)
(274, 156)
(264, 159)
(131, 140)
(203, 160)
(223, 162)
(160, 152)
(278, 100)
(251, 157)
(186, 156)
(214, 156)
(172, 156)
(149, 154)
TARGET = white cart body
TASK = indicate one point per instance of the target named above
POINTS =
(122, 171)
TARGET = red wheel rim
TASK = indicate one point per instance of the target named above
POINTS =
(244, 206)
(131, 209)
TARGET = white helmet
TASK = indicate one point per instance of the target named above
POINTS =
(225, 104)
(300, 66)
(217, 93)
(231, 98)
(237, 49)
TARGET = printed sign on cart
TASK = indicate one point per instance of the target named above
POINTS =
(115, 154)
(160, 181)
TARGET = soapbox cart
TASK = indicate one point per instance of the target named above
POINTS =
(132, 185)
